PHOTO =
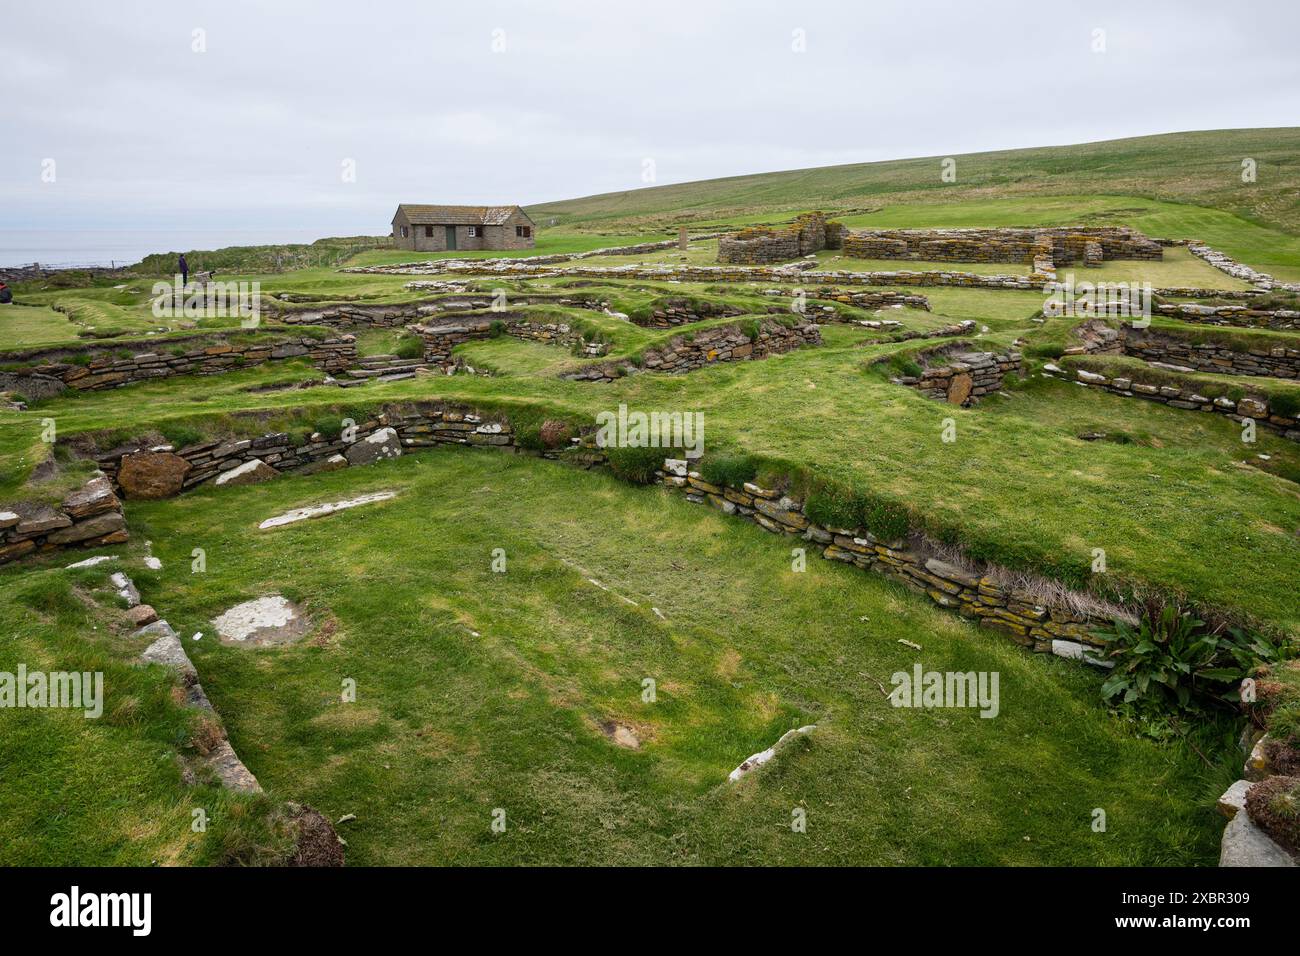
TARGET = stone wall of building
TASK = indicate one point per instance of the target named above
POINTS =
(671, 312)
(87, 518)
(724, 343)
(151, 471)
(94, 367)
(1151, 345)
(862, 300)
(1255, 407)
(762, 245)
(1242, 316)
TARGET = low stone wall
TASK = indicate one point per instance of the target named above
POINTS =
(87, 518)
(350, 315)
(1255, 407)
(1152, 345)
(725, 343)
(197, 355)
(1229, 266)
(1242, 316)
(759, 247)
(439, 340)
(141, 471)
(959, 377)
(728, 273)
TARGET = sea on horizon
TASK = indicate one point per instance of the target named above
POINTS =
(62, 248)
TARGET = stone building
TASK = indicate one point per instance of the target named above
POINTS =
(448, 228)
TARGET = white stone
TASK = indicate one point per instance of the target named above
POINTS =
(763, 756)
(254, 467)
(318, 511)
(1233, 800)
(1070, 649)
(125, 588)
(675, 466)
(91, 562)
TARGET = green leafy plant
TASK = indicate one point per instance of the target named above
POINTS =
(1170, 663)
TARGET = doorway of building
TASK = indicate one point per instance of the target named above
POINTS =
(451, 237)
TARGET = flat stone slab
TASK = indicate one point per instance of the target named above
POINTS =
(230, 770)
(319, 511)
(262, 622)
(167, 650)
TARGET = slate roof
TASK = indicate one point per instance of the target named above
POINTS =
(422, 215)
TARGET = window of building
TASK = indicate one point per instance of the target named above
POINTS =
(473, 232)
(405, 232)
(428, 232)
(523, 232)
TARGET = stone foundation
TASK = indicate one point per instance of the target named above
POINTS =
(973, 594)
(1229, 266)
(1048, 628)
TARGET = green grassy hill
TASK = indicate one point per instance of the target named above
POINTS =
(1200, 168)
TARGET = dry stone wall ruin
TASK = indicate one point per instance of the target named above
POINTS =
(86, 518)
(764, 245)
(1042, 248)
(95, 367)
(957, 376)
(726, 343)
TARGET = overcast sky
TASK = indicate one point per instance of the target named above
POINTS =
(486, 102)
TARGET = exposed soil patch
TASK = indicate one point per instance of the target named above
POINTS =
(264, 622)
(621, 734)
